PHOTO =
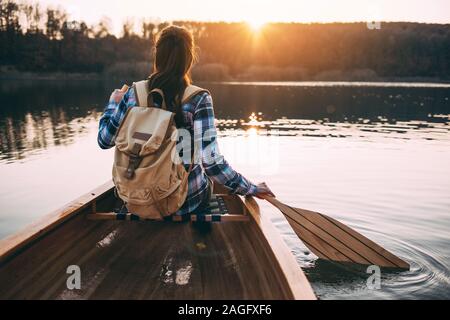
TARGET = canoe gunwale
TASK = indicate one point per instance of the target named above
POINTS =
(16, 243)
(299, 286)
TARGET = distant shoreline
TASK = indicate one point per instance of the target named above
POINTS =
(18, 75)
(61, 76)
(346, 83)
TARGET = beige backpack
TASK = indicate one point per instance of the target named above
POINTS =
(148, 173)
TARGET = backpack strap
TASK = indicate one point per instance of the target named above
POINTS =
(190, 92)
(144, 98)
(151, 98)
(141, 93)
(134, 160)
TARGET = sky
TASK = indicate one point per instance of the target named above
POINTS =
(257, 11)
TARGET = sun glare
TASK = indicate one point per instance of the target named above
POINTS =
(256, 24)
(252, 132)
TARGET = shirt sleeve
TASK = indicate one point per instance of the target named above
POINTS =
(214, 164)
(113, 116)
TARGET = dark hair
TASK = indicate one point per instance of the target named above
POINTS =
(173, 60)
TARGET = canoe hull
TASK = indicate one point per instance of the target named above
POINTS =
(147, 260)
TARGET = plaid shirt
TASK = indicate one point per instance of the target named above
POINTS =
(199, 119)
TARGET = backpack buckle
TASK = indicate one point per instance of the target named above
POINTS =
(134, 161)
(133, 164)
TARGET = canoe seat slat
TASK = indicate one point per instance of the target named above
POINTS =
(188, 217)
(218, 210)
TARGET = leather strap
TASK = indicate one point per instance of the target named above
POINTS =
(134, 160)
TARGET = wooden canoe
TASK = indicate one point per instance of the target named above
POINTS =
(149, 260)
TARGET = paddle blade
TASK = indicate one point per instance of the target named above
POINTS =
(332, 240)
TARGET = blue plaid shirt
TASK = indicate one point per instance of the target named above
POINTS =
(199, 119)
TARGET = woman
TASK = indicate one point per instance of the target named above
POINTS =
(174, 57)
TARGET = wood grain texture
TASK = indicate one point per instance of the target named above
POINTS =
(13, 244)
(279, 252)
(102, 216)
(332, 240)
(157, 260)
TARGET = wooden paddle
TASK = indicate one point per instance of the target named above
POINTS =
(332, 240)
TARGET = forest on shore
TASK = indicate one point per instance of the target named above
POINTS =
(39, 42)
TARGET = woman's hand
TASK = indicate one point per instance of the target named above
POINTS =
(117, 94)
(263, 191)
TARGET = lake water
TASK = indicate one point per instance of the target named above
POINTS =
(376, 156)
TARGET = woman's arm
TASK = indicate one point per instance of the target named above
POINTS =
(215, 165)
(115, 111)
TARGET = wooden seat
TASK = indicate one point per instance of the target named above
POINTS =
(222, 208)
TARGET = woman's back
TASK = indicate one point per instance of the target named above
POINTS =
(194, 119)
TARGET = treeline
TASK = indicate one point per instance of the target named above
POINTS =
(37, 39)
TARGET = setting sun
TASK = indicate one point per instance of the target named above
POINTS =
(256, 23)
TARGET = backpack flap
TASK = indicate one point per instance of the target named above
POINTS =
(147, 126)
